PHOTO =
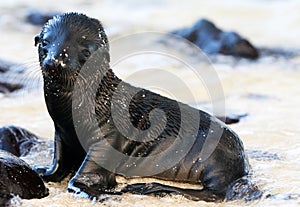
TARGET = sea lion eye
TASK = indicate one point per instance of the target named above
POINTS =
(86, 52)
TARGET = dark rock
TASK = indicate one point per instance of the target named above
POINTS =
(257, 96)
(17, 178)
(232, 119)
(213, 40)
(279, 52)
(261, 97)
(260, 155)
(10, 69)
(9, 87)
(285, 196)
(39, 18)
(16, 140)
(4, 66)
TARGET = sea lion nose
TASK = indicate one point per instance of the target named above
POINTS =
(51, 62)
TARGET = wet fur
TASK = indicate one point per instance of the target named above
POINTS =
(226, 164)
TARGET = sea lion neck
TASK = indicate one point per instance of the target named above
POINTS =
(101, 80)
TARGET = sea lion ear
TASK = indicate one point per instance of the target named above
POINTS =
(37, 39)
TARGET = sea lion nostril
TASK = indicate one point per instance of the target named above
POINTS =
(53, 62)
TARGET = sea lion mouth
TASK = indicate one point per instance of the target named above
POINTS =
(59, 71)
(51, 72)
(60, 76)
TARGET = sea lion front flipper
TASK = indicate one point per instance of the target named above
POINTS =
(92, 180)
(158, 189)
(60, 167)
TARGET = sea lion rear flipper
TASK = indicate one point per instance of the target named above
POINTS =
(158, 189)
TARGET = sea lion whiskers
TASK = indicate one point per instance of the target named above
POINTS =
(32, 77)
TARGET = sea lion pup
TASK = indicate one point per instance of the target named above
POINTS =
(65, 44)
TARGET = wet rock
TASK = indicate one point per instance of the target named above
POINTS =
(232, 119)
(257, 96)
(262, 155)
(279, 53)
(17, 140)
(7, 67)
(260, 97)
(4, 66)
(213, 40)
(17, 178)
(39, 18)
(9, 87)
(285, 196)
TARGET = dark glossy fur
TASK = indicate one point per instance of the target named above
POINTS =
(226, 164)
(213, 40)
(17, 178)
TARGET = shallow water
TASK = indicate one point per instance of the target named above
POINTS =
(266, 89)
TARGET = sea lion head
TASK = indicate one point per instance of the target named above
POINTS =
(66, 42)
